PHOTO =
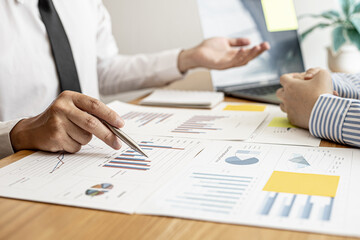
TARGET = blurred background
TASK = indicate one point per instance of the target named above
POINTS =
(144, 26)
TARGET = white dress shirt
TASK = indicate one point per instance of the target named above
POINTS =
(28, 77)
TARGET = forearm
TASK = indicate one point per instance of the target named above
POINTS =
(123, 73)
(5, 141)
(347, 85)
(336, 119)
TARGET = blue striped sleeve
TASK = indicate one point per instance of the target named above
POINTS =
(347, 85)
(351, 126)
(328, 117)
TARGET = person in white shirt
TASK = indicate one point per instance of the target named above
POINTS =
(33, 113)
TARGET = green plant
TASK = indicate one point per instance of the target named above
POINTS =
(345, 24)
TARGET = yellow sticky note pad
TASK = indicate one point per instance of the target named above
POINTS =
(282, 122)
(303, 183)
(279, 15)
(245, 107)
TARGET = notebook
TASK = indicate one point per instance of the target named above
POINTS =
(183, 98)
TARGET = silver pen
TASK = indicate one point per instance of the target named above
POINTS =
(125, 138)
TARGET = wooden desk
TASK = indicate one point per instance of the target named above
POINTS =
(32, 220)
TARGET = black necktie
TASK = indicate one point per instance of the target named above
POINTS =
(60, 46)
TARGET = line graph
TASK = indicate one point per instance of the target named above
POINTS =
(59, 163)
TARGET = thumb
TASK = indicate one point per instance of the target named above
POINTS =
(289, 78)
(238, 42)
(311, 72)
(322, 80)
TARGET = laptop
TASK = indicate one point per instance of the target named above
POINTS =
(259, 79)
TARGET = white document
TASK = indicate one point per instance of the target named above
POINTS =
(98, 176)
(273, 130)
(225, 183)
(182, 98)
(199, 124)
(217, 181)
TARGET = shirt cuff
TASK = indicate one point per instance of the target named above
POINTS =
(344, 86)
(167, 66)
(5, 143)
(327, 117)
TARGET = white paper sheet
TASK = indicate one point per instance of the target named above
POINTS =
(218, 181)
(225, 184)
(199, 124)
(276, 135)
(98, 177)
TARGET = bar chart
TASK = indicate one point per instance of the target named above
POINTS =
(132, 160)
(210, 193)
(199, 124)
(296, 206)
(299, 195)
(145, 118)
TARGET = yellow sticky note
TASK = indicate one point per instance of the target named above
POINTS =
(245, 107)
(282, 122)
(303, 183)
(279, 15)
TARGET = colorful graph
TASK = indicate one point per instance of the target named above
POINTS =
(144, 118)
(103, 186)
(212, 193)
(198, 124)
(59, 163)
(300, 195)
(99, 189)
(242, 158)
(311, 184)
(132, 160)
(297, 206)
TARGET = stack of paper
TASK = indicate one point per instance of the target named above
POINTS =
(289, 187)
(180, 98)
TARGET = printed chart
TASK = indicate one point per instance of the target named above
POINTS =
(199, 124)
(275, 129)
(251, 184)
(98, 176)
(287, 187)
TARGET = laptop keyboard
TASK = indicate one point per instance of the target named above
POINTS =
(260, 90)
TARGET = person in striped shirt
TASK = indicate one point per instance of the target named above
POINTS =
(326, 104)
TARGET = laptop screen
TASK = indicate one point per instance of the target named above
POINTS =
(247, 19)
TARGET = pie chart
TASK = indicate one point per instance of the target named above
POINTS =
(99, 189)
(244, 157)
(237, 161)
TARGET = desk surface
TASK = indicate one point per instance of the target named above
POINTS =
(32, 220)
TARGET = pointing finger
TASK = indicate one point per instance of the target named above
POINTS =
(98, 109)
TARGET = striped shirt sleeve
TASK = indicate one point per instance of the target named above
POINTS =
(347, 85)
(336, 119)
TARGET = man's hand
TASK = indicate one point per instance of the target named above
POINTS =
(300, 92)
(220, 53)
(67, 124)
